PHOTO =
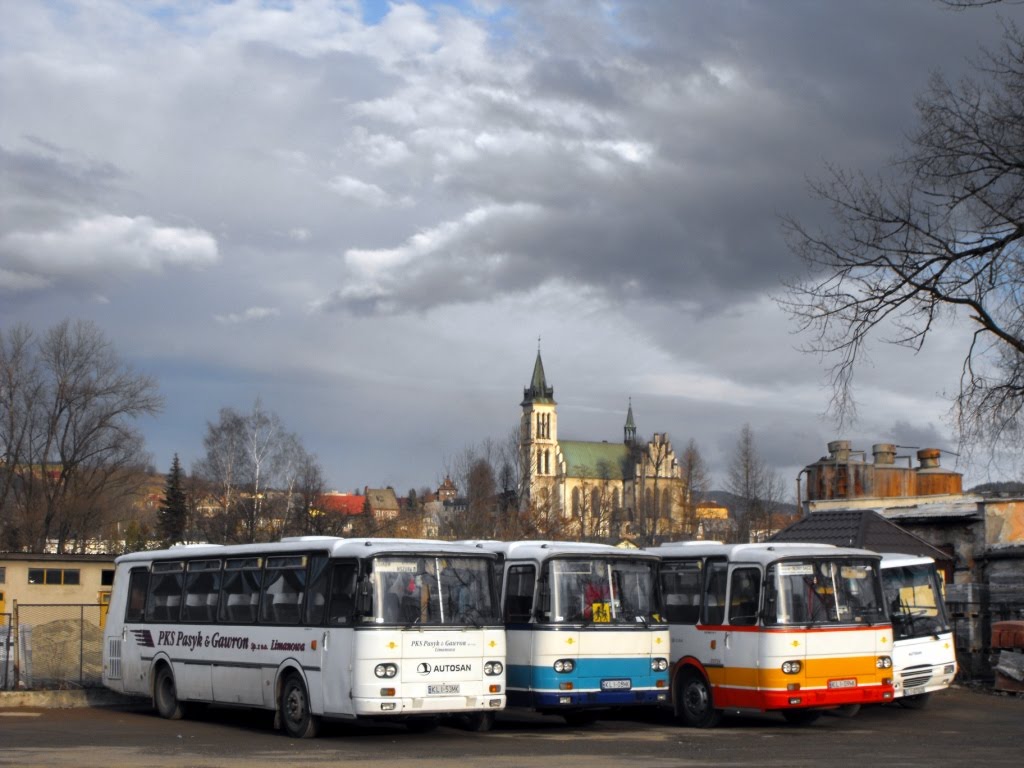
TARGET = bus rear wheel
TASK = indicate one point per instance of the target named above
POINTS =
(165, 695)
(695, 706)
(296, 719)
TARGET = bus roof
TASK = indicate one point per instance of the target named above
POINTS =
(541, 550)
(755, 553)
(333, 546)
(898, 560)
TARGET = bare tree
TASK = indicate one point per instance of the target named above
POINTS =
(938, 237)
(653, 487)
(68, 449)
(751, 482)
(259, 472)
(696, 483)
(222, 469)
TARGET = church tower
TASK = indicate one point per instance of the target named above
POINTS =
(629, 431)
(538, 431)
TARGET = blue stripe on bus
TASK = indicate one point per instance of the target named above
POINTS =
(588, 674)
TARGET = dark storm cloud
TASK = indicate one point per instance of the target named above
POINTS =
(445, 185)
(662, 169)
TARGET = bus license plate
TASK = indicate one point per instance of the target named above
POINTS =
(848, 683)
(442, 689)
(616, 685)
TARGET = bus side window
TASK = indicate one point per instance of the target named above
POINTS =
(284, 584)
(240, 590)
(714, 593)
(743, 596)
(519, 590)
(343, 594)
(681, 588)
(202, 586)
(138, 583)
(316, 595)
(163, 601)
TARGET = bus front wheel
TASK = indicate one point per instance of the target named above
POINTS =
(165, 695)
(296, 718)
(695, 705)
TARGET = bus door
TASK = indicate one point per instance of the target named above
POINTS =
(711, 650)
(136, 641)
(519, 615)
(336, 662)
(743, 640)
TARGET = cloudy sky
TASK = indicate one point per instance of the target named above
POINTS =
(366, 213)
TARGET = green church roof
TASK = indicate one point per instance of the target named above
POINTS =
(595, 460)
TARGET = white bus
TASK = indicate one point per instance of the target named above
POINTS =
(311, 628)
(792, 628)
(584, 628)
(924, 657)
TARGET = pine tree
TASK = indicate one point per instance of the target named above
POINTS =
(173, 512)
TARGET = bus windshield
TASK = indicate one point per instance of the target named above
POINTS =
(433, 591)
(823, 591)
(915, 603)
(602, 591)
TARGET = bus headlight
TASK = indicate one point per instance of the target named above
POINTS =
(493, 668)
(659, 665)
(564, 665)
(884, 662)
(385, 670)
(791, 667)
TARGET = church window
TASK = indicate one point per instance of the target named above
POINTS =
(547, 462)
(595, 503)
(576, 502)
(540, 463)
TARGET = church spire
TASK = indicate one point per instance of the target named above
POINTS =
(538, 391)
(630, 428)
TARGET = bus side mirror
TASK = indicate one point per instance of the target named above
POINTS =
(543, 607)
(364, 598)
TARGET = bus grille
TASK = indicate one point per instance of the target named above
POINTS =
(916, 676)
(114, 658)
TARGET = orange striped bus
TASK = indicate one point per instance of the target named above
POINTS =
(788, 628)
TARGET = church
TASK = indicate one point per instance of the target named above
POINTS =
(627, 490)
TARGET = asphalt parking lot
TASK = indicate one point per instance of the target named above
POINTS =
(961, 726)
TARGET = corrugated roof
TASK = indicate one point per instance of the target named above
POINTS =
(596, 460)
(863, 528)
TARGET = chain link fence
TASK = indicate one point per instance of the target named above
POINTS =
(57, 647)
(6, 651)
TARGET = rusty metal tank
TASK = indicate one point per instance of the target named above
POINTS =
(932, 479)
(847, 474)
